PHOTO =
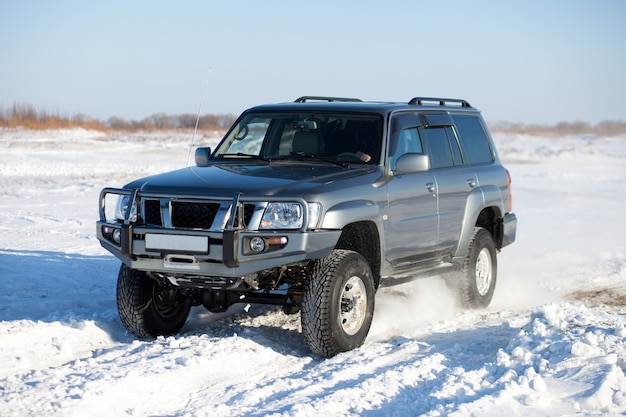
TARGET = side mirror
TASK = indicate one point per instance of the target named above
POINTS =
(410, 163)
(202, 156)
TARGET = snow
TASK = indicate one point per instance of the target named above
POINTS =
(553, 341)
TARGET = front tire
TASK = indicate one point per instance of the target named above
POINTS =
(148, 309)
(475, 284)
(338, 303)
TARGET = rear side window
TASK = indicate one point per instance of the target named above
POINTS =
(473, 139)
(439, 145)
(443, 146)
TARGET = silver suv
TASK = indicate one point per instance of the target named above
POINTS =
(313, 205)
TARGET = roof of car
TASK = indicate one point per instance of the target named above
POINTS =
(316, 103)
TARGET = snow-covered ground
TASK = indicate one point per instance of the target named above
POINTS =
(553, 341)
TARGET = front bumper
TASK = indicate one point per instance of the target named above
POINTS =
(222, 249)
(226, 255)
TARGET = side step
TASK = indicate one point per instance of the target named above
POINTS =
(412, 276)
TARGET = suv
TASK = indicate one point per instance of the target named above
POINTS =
(313, 205)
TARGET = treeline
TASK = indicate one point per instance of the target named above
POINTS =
(606, 128)
(162, 121)
(29, 117)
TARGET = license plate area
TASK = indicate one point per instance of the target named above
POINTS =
(177, 243)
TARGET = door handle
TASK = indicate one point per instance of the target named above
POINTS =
(430, 187)
(471, 182)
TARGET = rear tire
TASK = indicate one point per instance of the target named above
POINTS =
(475, 283)
(337, 303)
(148, 309)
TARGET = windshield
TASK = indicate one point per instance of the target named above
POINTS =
(332, 136)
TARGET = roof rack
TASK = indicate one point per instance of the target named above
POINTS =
(304, 99)
(442, 101)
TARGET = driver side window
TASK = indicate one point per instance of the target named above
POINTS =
(411, 139)
(405, 137)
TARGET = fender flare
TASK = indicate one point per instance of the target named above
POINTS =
(478, 199)
(339, 216)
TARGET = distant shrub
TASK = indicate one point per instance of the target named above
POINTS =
(29, 117)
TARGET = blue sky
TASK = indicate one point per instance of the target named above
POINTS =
(528, 61)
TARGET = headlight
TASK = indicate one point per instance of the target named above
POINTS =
(122, 208)
(290, 216)
(282, 216)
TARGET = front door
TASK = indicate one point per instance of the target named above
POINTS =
(412, 223)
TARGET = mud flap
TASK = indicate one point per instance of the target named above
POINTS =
(509, 227)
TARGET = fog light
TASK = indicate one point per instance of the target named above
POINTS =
(257, 244)
(117, 236)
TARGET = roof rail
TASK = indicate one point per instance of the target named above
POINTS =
(418, 101)
(304, 99)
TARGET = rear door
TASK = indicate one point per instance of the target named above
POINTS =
(454, 179)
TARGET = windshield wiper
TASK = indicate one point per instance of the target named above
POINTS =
(311, 157)
(295, 157)
(245, 155)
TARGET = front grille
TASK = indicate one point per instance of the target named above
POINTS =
(193, 215)
(152, 212)
(189, 214)
(248, 211)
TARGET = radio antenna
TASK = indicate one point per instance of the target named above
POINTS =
(195, 129)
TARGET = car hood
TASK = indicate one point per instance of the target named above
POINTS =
(274, 179)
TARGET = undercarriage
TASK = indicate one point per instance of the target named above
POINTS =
(278, 286)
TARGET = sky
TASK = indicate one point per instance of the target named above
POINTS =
(533, 62)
